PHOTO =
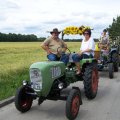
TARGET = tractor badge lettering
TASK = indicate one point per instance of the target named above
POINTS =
(56, 72)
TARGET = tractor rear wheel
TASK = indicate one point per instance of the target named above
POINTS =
(91, 81)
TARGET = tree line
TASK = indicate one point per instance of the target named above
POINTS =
(114, 28)
(12, 37)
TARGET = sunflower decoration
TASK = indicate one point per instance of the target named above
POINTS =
(71, 30)
(75, 30)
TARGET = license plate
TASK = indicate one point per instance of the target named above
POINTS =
(36, 87)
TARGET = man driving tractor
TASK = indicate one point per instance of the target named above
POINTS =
(54, 46)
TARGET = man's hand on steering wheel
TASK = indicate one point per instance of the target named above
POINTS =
(62, 50)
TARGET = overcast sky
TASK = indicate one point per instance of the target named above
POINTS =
(38, 16)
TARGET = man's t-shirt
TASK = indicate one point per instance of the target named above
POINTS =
(54, 45)
(90, 44)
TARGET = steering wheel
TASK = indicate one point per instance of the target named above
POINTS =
(62, 50)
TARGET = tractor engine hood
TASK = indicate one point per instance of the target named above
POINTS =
(47, 64)
(47, 72)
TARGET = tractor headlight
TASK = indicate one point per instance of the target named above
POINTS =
(60, 85)
(36, 79)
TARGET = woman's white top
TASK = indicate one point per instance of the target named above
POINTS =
(90, 44)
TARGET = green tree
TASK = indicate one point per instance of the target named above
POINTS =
(114, 28)
(12, 37)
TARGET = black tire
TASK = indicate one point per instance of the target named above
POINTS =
(119, 60)
(23, 101)
(115, 60)
(91, 81)
(111, 70)
(72, 104)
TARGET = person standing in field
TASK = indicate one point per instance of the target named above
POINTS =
(86, 51)
(54, 46)
(104, 40)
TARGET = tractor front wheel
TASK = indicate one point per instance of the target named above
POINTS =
(23, 101)
(73, 103)
(111, 70)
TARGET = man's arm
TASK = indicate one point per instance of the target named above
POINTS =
(44, 45)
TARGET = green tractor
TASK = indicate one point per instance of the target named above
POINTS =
(109, 58)
(49, 79)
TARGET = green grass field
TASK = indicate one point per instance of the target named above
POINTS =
(15, 60)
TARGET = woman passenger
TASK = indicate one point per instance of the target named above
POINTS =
(86, 50)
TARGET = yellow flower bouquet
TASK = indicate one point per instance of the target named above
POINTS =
(75, 30)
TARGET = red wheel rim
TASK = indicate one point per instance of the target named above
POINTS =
(94, 80)
(75, 105)
(25, 99)
(25, 102)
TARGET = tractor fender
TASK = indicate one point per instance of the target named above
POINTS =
(113, 50)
